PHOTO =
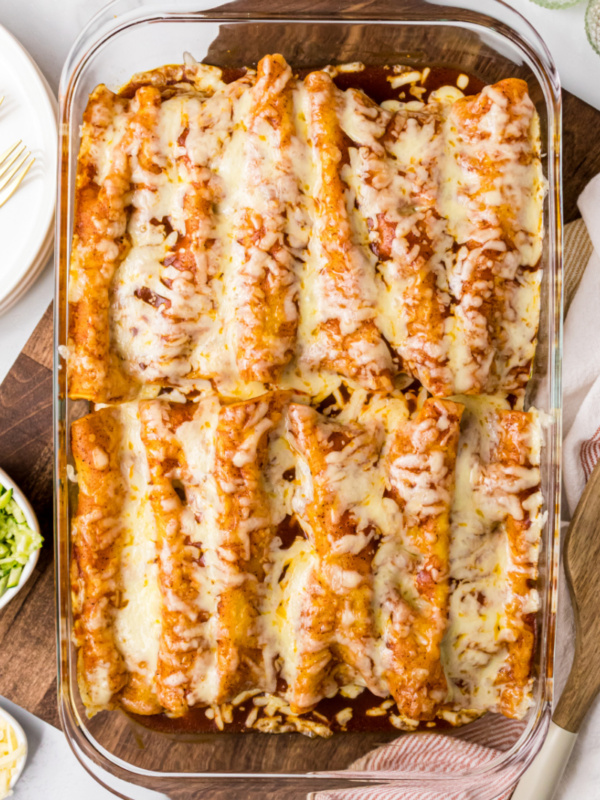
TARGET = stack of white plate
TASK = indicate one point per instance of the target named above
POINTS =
(29, 112)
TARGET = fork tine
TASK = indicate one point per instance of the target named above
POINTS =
(7, 178)
(8, 161)
(6, 153)
(17, 181)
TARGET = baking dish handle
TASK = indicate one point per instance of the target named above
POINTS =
(543, 776)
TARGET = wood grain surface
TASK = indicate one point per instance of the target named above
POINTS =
(581, 556)
(27, 624)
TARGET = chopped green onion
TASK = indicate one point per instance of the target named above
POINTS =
(5, 498)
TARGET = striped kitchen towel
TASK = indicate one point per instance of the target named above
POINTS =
(477, 744)
(462, 751)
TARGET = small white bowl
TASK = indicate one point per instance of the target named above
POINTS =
(22, 739)
(32, 521)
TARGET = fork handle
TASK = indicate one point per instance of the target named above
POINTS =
(541, 780)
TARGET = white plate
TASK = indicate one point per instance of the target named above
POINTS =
(29, 112)
(22, 739)
(32, 521)
(30, 278)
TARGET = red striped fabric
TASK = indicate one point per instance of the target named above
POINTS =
(417, 757)
(590, 454)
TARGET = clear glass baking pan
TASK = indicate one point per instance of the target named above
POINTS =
(483, 37)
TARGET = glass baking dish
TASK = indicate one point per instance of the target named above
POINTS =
(483, 37)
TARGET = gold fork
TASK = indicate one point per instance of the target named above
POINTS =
(15, 163)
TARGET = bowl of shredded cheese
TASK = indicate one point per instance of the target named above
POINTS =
(13, 752)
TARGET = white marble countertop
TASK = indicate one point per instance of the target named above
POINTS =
(47, 28)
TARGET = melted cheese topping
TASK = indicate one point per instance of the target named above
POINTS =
(215, 161)
(487, 492)
(438, 250)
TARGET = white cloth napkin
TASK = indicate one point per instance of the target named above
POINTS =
(581, 451)
(581, 362)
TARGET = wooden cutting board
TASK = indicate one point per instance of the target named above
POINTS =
(27, 624)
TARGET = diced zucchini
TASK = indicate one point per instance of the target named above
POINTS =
(5, 498)
(17, 541)
(17, 512)
(14, 577)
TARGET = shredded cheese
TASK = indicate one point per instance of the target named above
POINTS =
(12, 752)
